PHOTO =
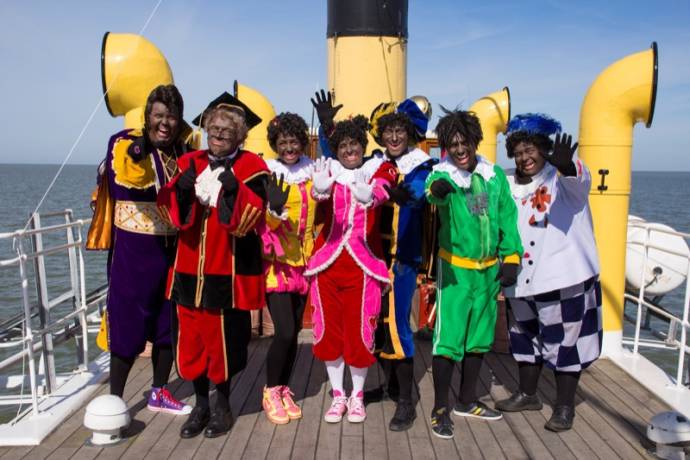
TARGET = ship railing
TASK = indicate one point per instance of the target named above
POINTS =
(646, 308)
(37, 329)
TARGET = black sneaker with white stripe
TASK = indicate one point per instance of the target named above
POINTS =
(477, 409)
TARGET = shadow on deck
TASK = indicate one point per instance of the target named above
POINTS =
(612, 413)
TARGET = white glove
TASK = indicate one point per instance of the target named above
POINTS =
(322, 181)
(362, 190)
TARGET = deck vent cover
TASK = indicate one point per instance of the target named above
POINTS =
(106, 416)
(671, 433)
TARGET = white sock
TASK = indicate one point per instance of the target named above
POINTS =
(359, 375)
(336, 372)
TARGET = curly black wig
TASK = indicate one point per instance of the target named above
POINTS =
(458, 121)
(167, 95)
(540, 141)
(288, 124)
(356, 129)
(396, 119)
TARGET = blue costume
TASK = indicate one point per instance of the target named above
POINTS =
(403, 239)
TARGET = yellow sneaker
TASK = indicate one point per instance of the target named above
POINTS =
(273, 406)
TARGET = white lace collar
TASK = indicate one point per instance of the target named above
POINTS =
(461, 177)
(520, 191)
(407, 162)
(293, 174)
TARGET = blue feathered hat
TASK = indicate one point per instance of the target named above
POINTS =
(534, 123)
(407, 107)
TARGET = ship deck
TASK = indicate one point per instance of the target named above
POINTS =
(612, 413)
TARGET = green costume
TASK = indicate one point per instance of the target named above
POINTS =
(478, 227)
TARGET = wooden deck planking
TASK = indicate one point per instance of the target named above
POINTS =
(570, 439)
(284, 437)
(377, 442)
(442, 448)
(599, 422)
(612, 412)
(56, 441)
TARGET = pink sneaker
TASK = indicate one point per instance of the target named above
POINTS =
(355, 408)
(338, 408)
(161, 400)
(292, 409)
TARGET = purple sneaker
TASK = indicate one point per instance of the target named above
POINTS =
(160, 400)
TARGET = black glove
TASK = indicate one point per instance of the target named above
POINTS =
(440, 188)
(507, 274)
(229, 181)
(277, 197)
(187, 179)
(562, 156)
(137, 149)
(324, 108)
(399, 194)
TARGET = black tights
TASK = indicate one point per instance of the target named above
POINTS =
(442, 369)
(161, 359)
(201, 388)
(286, 311)
(402, 375)
(566, 383)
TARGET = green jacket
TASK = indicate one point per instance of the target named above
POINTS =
(479, 218)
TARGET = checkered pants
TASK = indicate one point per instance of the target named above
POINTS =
(562, 328)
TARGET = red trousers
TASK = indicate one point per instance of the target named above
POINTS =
(211, 342)
(345, 321)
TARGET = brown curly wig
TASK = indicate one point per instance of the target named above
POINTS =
(288, 124)
(396, 119)
(356, 129)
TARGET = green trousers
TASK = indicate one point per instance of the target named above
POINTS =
(465, 310)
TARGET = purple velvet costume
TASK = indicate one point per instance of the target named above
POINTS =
(143, 250)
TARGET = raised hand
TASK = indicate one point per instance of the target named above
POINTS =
(277, 197)
(562, 156)
(362, 190)
(399, 194)
(507, 274)
(440, 188)
(229, 181)
(187, 179)
(322, 181)
(324, 107)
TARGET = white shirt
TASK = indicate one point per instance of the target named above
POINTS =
(555, 225)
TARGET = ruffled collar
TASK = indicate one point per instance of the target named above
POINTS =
(293, 174)
(347, 176)
(462, 178)
(523, 190)
(407, 162)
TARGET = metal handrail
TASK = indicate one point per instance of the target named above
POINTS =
(50, 332)
(641, 301)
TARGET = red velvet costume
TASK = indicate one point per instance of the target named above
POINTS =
(218, 275)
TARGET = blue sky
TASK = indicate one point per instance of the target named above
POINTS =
(548, 52)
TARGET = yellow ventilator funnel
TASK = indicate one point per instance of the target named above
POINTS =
(494, 114)
(131, 67)
(621, 96)
(257, 138)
